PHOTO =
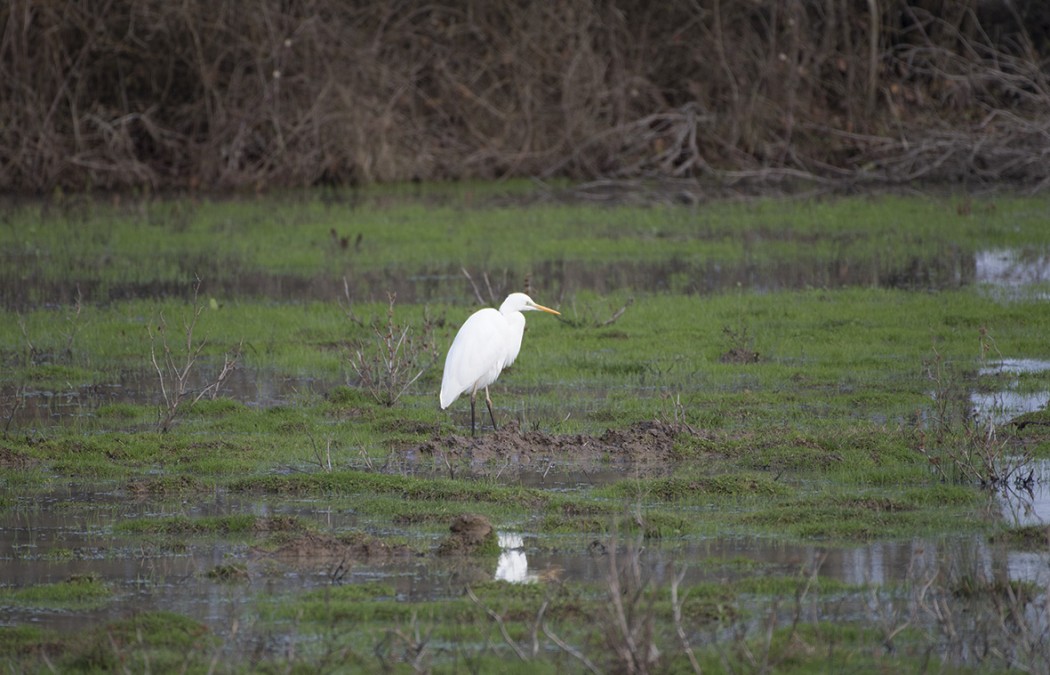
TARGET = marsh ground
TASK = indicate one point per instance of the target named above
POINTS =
(791, 434)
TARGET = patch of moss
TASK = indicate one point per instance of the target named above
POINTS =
(78, 592)
(866, 516)
(696, 488)
(217, 407)
(408, 488)
(123, 411)
(149, 641)
(23, 642)
(229, 573)
(1025, 538)
(211, 525)
(170, 484)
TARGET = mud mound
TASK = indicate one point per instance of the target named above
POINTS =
(650, 441)
(470, 533)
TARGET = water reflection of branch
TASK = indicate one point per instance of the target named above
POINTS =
(17, 402)
(1019, 499)
(570, 650)
(414, 644)
(511, 642)
(676, 612)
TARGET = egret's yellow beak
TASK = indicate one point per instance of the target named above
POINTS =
(545, 309)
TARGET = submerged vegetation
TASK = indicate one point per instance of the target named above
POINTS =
(246, 391)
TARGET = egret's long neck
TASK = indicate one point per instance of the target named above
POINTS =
(516, 324)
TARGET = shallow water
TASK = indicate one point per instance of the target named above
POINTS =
(999, 407)
(1028, 504)
(50, 536)
(44, 407)
(1002, 406)
(949, 268)
(1011, 267)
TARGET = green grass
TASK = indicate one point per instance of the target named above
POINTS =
(858, 309)
(824, 356)
(77, 592)
(237, 524)
(292, 236)
(866, 516)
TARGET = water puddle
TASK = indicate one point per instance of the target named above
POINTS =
(1016, 366)
(945, 269)
(1011, 267)
(58, 535)
(1003, 405)
(1013, 274)
(34, 408)
(1028, 504)
(51, 536)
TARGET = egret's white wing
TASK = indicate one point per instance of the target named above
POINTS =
(476, 356)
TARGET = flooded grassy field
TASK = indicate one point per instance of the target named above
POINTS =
(773, 435)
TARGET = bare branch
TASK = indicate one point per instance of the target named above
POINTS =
(498, 620)
(477, 293)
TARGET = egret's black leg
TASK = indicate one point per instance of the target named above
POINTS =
(473, 395)
(488, 402)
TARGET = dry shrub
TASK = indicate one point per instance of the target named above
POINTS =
(304, 92)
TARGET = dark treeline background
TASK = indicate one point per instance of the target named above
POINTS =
(199, 94)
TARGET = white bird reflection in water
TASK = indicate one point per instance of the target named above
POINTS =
(513, 565)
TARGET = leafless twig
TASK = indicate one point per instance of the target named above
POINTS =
(477, 293)
(174, 370)
(395, 361)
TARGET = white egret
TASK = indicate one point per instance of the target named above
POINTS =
(486, 343)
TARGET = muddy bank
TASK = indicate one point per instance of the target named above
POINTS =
(649, 443)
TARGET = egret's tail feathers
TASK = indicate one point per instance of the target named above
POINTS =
(448, 395)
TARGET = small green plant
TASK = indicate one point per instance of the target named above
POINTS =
(76, 591)
(741, 345)
(394, 361)
(229, 573)
(740, 348)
